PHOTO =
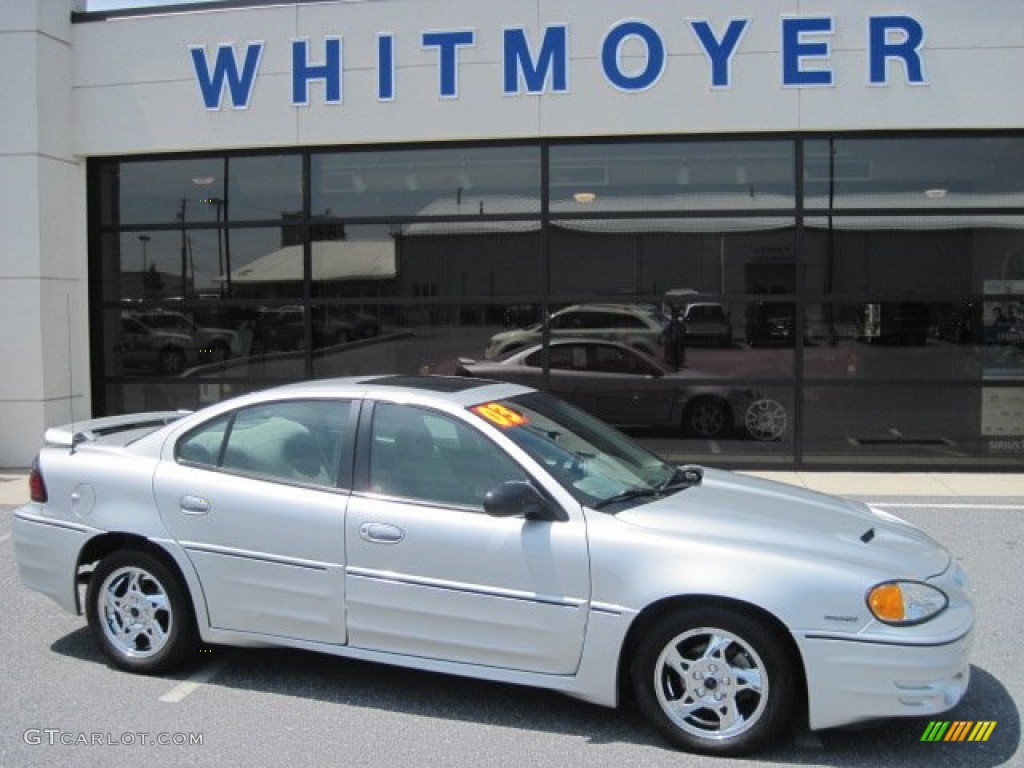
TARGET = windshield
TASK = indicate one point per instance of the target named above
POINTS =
(596, 463)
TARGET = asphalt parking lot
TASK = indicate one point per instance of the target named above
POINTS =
(63, 705)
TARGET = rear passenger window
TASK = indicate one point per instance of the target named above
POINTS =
(297, 441)
(202, 446)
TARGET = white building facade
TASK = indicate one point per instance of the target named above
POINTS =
(201, 200)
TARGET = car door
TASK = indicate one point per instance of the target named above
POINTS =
(630, 389)
(257, 498)
(430, 574)
(567, 375)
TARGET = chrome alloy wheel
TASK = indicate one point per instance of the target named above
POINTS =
(766, 419)
(711, 683)
(135, 612)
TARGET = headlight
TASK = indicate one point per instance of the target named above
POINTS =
(905, 602)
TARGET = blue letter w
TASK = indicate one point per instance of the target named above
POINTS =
(225, 72)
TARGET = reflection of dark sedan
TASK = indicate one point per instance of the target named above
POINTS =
(629, 388)
(771, 324)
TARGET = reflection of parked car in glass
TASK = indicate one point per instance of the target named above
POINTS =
(626, 387)
(364, 325)
(210, 344)
(894, 322)
(707, 322)
(771, 323)
(637, 326)
(141, 346)
(960, 324)
(284, 329)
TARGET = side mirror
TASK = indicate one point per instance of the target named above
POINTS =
(517, 497)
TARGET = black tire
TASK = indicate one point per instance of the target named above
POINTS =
(707, 417)
(172, 360)
(715, 680)
(140, 613)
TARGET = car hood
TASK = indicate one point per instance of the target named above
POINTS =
(515, 333)
(746, 511)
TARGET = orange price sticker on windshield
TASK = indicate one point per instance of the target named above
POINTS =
(500, 415)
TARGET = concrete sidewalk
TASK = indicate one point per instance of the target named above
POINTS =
(13, 487)
(924, 484)
(14, 484)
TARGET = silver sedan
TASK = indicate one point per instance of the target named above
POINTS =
(493, 531)
(629, 388)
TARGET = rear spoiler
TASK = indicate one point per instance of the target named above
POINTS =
(76, 433)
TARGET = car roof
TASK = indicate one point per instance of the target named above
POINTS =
(642, 309)
(521, 354)
(458, 390)
(567, 340)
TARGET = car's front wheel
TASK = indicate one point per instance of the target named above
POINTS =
(714, 680)
(140, 613)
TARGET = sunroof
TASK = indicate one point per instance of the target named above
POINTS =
(430, 383)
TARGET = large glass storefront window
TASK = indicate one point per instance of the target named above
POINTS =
(829, 302)
(913, 284)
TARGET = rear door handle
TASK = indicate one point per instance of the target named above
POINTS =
(381, 533)
(193, 505)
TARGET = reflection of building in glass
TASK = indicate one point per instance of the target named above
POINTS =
(849, 246)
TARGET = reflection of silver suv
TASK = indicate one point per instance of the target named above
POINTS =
(140, 345)
(631, 324)
(707, 322)
(210, 344)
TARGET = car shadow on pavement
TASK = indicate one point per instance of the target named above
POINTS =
(353, 683)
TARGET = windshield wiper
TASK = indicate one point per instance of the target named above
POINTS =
(683, 478)
(628, 495)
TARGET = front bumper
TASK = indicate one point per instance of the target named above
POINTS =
(851, 680)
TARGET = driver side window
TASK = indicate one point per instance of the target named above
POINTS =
(428, 456)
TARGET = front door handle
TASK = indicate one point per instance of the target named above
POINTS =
(381, 533)
(193, 505)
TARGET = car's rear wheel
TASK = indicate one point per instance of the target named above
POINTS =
(714, 680)
(140, 613)
(706, 417)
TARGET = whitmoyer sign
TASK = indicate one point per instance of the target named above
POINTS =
(633, 54)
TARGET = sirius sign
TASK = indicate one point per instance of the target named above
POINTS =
(633, 55)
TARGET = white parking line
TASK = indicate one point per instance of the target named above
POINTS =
(918, 505)
(194, 682)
